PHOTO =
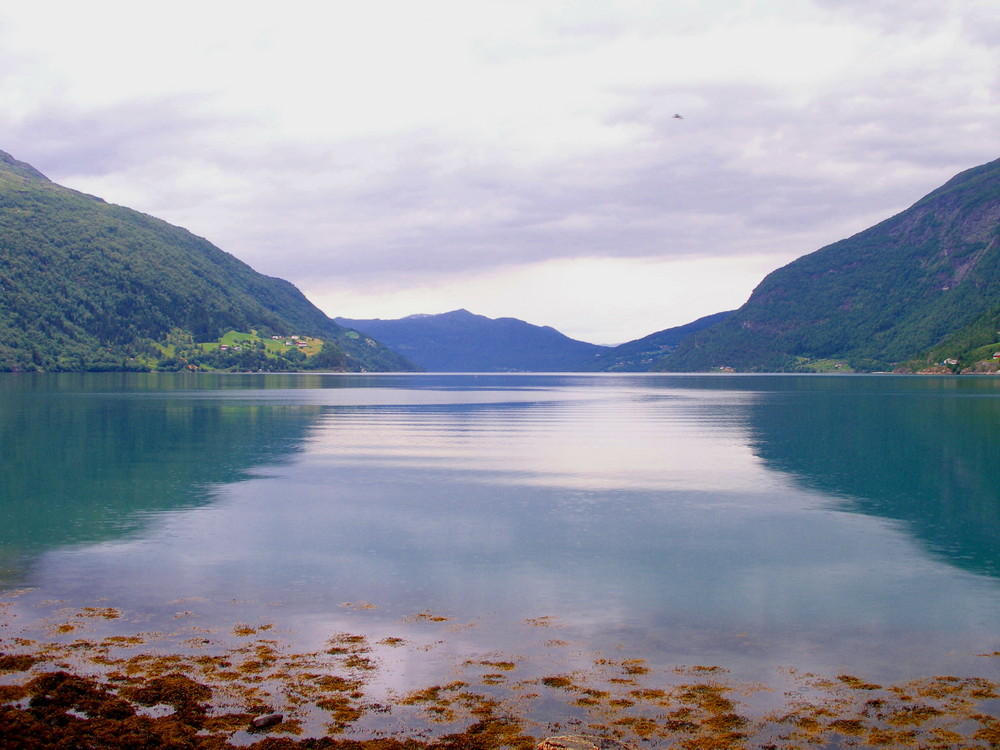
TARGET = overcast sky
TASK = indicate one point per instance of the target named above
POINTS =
(514, 158)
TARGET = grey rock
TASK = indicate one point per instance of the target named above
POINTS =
(266, 720)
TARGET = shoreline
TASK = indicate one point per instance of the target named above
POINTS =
(126, 689)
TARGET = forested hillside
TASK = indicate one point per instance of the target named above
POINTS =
(86, 285)
(918, 288)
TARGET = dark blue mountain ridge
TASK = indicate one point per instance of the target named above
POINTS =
(461, 341)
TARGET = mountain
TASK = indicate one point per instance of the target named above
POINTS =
(646, 353)
(922, 285)
(87, 285)
(460, 341)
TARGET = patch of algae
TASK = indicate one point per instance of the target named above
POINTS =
(106, 613)
(427, 616)
(77, 620)
(546, 621)
(505, 666)
(125, 692)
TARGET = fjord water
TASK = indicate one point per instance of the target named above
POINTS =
(832, 524)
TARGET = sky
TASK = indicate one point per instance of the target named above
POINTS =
(517, 158)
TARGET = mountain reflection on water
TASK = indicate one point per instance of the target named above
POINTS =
(925, 451)
(89, 457)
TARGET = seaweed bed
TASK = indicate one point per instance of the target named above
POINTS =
(126, 691)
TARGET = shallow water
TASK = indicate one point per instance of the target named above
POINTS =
(830, 524)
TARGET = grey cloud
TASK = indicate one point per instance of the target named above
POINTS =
(891, 15)
(680, 205)
(421, 202)
(978, 19)
(646, 208)
(71, 140)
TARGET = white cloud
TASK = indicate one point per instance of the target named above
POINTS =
(358, 149)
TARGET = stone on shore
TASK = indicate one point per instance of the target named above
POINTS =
(266, 720)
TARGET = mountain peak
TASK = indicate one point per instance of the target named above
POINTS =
(22, 169)
(459, 313)
(462, 313)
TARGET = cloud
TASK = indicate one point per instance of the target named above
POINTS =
(92, 143)
(393, 145)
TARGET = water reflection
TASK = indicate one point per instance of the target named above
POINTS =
(90, 458)
(921, 451)
(597, 441)
(651, 513)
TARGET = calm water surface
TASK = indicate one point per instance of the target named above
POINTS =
(830, 524)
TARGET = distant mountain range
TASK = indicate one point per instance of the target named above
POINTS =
(919, 291)
(460, 341)
(86, 285)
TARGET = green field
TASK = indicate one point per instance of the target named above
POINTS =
(238, 340)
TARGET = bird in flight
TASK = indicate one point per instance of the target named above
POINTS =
(678, 117)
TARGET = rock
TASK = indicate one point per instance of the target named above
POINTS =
(266, 720)
(582, 742)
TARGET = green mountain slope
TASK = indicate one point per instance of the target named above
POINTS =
(460, 341)
(87, 285)
(643, 355)
(874, 300)
(970, 349)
